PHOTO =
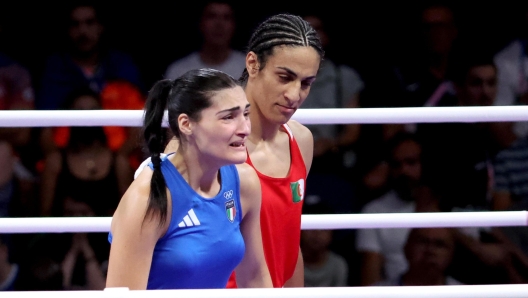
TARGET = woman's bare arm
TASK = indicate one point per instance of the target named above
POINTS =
(252, 270)
(133, 237)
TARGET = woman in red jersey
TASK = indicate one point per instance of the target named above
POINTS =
(283, 58)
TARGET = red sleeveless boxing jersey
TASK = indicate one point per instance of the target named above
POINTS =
(280, 217)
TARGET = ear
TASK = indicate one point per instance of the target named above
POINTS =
(252, 64)
(185, 124)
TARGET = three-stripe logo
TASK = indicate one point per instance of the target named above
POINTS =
(189, 220)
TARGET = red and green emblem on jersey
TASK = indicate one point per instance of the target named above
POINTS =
(297, 189)
(230, 210)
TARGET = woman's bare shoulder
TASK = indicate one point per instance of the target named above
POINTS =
(135, 199)
(305, 140)
(300, 132)
(247, 173)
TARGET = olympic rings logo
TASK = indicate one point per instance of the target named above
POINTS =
(228, 194)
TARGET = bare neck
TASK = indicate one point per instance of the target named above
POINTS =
(262, 129)
(201, 174)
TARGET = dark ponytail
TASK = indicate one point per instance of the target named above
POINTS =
(155, 141)
(189, 94)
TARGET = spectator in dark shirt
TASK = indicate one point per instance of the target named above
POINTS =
(87, 60)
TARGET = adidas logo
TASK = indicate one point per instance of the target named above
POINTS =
(189, 220)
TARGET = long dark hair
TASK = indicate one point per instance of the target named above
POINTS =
(189, 94)
(279, 30)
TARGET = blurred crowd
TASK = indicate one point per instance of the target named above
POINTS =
(357, 168)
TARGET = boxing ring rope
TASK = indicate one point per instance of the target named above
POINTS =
(133, 118)
(473, 291)
(308, 222)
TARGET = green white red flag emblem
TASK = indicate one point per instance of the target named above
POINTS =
(230, 210)
(297, 189)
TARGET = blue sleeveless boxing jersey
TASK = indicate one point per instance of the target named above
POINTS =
(203, 243)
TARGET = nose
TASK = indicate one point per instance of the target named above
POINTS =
(293, 92)
(244, 128)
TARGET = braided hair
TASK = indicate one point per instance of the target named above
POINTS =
(281, 30)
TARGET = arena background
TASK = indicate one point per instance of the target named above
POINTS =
(365, 34)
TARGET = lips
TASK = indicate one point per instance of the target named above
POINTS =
(237, 144)
(287, 106)
(286, 109)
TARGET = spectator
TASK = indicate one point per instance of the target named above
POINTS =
(86, 168)
(9, 271)
(429, 252)
(381, 250)
(83, 265)
(87, 61)
(75, 261)
(123, 141)
(459, 155)
(513, 76)
(511, 177)
(509, 191)
(71, 261)
(338, 196)
(439, 32)
(370, 175)
(423, 81)
(322, 266)
(458, 163)
(17, 178)
(217, 26)
(41, 273)
(16, 93)
(488, 258)
(337, 86)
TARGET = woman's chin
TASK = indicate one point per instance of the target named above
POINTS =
(239, 158)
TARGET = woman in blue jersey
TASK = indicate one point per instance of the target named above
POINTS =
(194, 216)
(282, 62)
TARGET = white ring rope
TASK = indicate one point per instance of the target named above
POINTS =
(308, 222)
(133, 118)
(463, 291)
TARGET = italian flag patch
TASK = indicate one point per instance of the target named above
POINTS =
(297, 189)
(230, 210)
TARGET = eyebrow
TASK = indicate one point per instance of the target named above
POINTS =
(291, 72)
(232, 109)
